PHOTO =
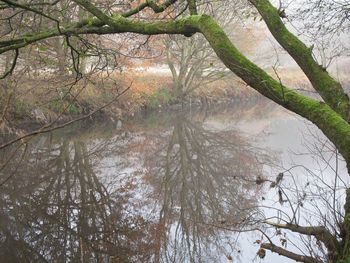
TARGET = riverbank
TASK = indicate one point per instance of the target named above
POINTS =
(30, 103)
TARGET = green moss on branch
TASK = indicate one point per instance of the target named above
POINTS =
(329, 89)
(322, 115)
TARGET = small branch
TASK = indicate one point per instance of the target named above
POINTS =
(28, 8)
(75, 58)
(280, 81)
(14, 62)
(192, 6)
(149, 3)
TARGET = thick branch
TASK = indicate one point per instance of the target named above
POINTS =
(319, 232)
(331, 123)
(283, 252)
(329, 89)
(119, 25)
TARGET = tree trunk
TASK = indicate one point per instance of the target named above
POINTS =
(345, 232)
(61, 56)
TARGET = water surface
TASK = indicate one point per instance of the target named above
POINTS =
(163, 187)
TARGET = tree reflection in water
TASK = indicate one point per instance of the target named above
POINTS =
(60, 206)
(205, 179)
(57, 210)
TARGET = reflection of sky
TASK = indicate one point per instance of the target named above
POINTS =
(292, 137)
(270, 132)
(278, 131)
(273, 133)
(289, 136)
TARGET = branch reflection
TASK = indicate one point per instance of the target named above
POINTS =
(82, 198)
(205, 178)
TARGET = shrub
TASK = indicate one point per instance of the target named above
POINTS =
(21, 109)
(162, 96)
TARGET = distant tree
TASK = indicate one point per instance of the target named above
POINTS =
(327, 27)
(192, 61)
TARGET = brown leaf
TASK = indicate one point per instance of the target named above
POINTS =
(261, 253)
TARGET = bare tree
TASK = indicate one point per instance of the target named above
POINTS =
(192, 62)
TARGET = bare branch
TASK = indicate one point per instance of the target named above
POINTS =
(149, 3)
(28, 8)
(13, 65)
(283, 252)
(319, 232)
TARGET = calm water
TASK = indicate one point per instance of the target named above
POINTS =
(166, 187)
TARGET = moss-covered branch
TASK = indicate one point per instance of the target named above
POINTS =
(328, 88)
(330, 122)
(119, 24)
(94, 10)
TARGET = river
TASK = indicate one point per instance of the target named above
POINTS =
(169, 186)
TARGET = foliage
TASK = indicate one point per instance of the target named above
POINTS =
(162, 96)
(58, 105)
(21, 109)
